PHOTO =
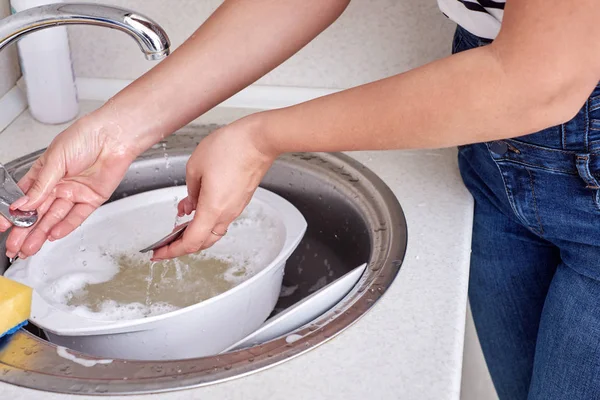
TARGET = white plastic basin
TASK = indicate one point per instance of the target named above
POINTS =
(199, 330)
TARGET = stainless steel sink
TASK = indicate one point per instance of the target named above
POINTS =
(352, 218)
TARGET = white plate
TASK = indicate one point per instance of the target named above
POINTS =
(302, 312)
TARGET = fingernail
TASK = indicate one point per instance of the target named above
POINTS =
(22, 256)
(51, 239)
(10, 254)
(19, 202)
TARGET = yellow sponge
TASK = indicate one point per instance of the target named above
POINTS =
(15, 305)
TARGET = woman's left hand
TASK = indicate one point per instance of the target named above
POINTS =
(221, 176)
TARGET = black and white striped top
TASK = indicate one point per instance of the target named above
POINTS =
(480, 17)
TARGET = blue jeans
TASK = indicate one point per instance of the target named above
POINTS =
(535, 266)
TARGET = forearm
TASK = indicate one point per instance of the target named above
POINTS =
(465, 98)
(239, 43)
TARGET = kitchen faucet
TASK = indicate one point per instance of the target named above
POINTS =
(151, 38)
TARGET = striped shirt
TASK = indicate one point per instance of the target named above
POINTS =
(480, 17)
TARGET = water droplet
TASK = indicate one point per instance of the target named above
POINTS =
(228, 367)
(250, 359)
(77, 388)
(101, 389)
(293, 338)
(28, 352)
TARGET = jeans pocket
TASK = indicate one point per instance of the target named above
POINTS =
(520, 186)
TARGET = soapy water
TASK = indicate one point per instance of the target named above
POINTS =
(150, 288)
(115, 285)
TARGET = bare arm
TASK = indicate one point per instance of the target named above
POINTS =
(239, 43)
(536, 74)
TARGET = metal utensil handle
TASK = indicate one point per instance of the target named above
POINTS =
(9, 193)
(170, 238)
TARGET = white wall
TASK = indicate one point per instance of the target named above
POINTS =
(372, 39)
(9, 67)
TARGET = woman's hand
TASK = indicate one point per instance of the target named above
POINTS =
(221, 177)
(76, 174)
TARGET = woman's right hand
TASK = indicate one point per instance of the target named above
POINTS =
(76, 174)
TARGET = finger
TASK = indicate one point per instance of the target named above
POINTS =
(185, 207)
(26, 181)
(220, 230)
(47, 178)
(24, 184)
(19, 202)
(4, 224)
(193, 181)
(76, 216)
(193, 238)
(36, 239)
(180, 211)
(17, 235)
(76, 192)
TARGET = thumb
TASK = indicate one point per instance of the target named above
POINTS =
(46, 178)
(193, 181)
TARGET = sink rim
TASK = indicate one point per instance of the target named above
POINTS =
(388, 247)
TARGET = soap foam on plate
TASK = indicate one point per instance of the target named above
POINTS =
(107, 279)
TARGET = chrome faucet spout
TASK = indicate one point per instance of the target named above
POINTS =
(151, 38)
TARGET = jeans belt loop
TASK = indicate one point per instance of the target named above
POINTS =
(583, 168)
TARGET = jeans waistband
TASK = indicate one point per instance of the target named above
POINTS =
(557, 160)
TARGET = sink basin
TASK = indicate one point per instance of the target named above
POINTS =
(353, 218)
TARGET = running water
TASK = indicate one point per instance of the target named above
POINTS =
(149, 279)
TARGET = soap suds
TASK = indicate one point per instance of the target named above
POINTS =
(107, 279)
(292, 338)
(287, 290)
(318, 285)
(62, 352)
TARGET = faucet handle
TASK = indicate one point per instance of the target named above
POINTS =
(9, 193)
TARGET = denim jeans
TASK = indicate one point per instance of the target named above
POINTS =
(535, 265)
